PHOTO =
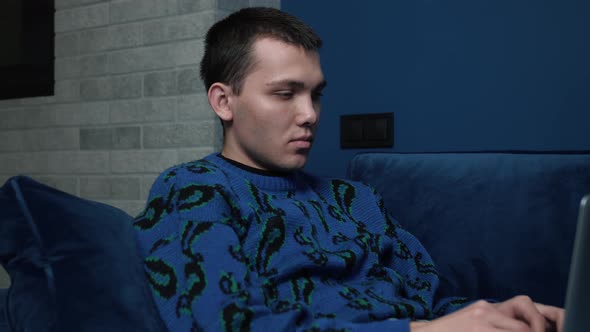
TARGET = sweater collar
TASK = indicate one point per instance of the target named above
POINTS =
(261, 179)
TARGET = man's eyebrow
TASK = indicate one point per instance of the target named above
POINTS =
(296, 84)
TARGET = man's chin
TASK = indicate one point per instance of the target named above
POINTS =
(296, 164)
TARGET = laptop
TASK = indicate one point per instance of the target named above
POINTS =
(577, 300)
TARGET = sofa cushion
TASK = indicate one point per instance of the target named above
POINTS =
(73, 263)
(496, 224)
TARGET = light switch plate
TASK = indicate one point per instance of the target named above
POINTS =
(366, 130)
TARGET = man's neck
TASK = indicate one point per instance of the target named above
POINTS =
(252, 169)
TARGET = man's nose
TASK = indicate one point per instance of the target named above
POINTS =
(308, 111)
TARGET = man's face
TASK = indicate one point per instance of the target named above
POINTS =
(276, 114)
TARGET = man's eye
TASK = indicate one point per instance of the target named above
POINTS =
(284, 94)
(317, 95)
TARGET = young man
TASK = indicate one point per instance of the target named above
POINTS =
(245, 240)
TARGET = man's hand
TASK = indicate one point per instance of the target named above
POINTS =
(517, 314)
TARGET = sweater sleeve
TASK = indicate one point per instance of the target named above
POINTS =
(190, 237)
(413, 261)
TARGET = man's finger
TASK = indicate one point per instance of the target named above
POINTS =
(505, 323)
(507, 316)
(555, 316)
(524, 309)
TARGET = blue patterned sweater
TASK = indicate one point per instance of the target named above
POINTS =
(229, 249)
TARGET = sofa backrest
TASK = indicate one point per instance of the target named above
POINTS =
(496, 224)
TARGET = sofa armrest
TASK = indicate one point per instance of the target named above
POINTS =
(73, 263)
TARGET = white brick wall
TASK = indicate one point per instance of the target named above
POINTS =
(128, 100)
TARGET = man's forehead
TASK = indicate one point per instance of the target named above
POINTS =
(280, 64)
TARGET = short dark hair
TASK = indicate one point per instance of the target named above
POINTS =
(228, 44)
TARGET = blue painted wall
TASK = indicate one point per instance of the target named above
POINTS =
(458, 74)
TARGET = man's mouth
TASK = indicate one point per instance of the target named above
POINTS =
(303, 142)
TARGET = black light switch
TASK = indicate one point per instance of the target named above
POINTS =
(366, 130)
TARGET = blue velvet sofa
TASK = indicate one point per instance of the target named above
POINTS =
(497, 224)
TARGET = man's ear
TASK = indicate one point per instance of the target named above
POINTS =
(219, 95)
